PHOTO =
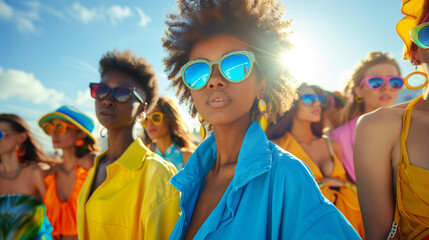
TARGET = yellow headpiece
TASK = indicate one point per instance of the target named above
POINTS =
(413, 10)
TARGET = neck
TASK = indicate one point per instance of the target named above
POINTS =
(10, 162)
(69, 159)
(368, 109)
(117, 142)
(301, 131)
(229, 138)
(163, 143)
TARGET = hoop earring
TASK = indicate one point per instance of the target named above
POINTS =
(202, 128)
(102, 131)
(262, 108)
(359, 98)
(420, 77)
(141, 117)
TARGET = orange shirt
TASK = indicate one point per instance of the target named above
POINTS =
(62, 215)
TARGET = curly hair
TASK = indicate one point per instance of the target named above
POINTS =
(352, 108)
(259, 22)
(33, 151)
(177, 127)
(284, 122)
(129, 63)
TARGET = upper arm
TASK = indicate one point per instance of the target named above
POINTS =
(374, 138)
(38, 180)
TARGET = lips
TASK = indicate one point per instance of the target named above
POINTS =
(106, 113)
(218, 99)
(150, 131)
(385, 97)
(316, 112)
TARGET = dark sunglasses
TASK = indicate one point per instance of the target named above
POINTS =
(309, 99)
(376, 82)
(120, 94)
(234, 66)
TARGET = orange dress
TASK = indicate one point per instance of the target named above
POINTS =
(345, 198)
(412, 200)
(62, 215)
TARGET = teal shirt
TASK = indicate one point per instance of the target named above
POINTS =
(173, 155)
(272, 195)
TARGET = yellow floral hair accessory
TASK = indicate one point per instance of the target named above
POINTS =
(413, 10)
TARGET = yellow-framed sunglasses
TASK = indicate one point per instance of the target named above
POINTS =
(155, 117)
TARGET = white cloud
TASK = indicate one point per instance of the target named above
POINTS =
(144, 19)
(19, 84)
(84, 98)
(25, 25)
(6, 11)
(84, 14)
(117, 13)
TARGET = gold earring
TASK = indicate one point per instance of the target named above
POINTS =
(202, 128)
(418, 79)
(262, 107)
(359, 98)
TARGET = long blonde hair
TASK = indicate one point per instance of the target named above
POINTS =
(352, 108)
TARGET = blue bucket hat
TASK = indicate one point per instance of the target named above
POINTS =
(73, 116)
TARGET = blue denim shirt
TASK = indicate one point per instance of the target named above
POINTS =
(271, 196)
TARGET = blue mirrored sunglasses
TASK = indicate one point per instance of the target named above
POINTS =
(309, 99)
(234, 66)
(420, 35)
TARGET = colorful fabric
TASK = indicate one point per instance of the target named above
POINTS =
(73, 116)
(23, 217)
(345, 198)
(412, 200)
(62, 215)
(134, 202)
(345, 135)
(271, 196)
(413, 10)
(173, 155)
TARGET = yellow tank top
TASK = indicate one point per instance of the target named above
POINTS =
(412, 200)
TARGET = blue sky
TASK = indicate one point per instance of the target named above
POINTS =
(49, 50)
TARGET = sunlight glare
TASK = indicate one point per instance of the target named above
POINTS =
(304, 62)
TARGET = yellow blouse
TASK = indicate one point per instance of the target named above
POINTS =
(134, 202)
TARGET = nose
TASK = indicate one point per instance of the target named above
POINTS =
(317, 103)
(108, 100)
(216, 79)
(385, 86)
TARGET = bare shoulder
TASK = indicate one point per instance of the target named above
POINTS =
(383, 118)
(87, 161)
(335, 145)
(36, 170)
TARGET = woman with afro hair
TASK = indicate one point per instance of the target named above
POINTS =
(223, 60)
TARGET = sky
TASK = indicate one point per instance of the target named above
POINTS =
(49, 50)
